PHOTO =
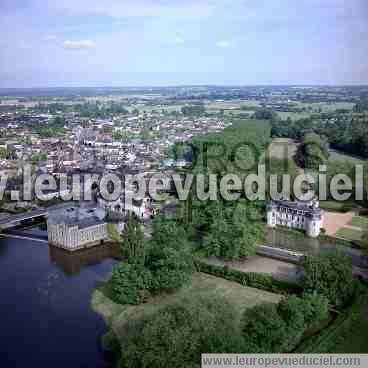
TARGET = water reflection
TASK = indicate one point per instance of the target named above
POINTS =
(297, 242)
(72, 262)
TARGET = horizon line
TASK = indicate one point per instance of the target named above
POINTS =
(301, 85)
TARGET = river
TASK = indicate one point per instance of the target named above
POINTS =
(310, 246)
(46, 319)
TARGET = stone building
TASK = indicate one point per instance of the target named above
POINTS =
(304, 215)
(75, 228)
(118, 209)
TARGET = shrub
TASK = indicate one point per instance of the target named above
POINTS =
(171, 268)
(270, 328)
(176, 335)
(169, 259)
(263, 329)
(130, 283)
(315, 308)
(330, 275)
(233, 234)
(161, 265)
(256, 280)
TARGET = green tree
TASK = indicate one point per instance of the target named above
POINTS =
(7, 153)
(133, 245)
(235, 232)
(177, 334)
(170, 256)
(298, 314)
(59, 121)
(313, 151)
(130, 283)
(264, 114)
(263, 329)
(195, 110)
(330, 275)
(107, 129)
(315, 308)
(270, 328)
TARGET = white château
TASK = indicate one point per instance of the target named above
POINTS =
(304, 215)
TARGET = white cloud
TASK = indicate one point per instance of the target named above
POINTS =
(223, 44)
(78, 45)
(179, 40)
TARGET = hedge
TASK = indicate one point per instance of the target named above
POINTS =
(341, 241)
(251, 279)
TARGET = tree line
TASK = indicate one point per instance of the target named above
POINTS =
(348, 134)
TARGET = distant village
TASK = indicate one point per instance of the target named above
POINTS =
(65, 144)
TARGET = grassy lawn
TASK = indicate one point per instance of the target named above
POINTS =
(332, 205)
(202, 284)
(360, 221)
(350, 234)
(340, 156)
(339, 206)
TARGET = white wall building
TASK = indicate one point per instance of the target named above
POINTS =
(143, 209)
(75, 228)
(298, 215)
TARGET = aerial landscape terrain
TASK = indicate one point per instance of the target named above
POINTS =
(181, 181)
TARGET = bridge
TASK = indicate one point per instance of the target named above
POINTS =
(280, 253)
(15, 220)
(359, 261)
(24, 237)
(12, 221)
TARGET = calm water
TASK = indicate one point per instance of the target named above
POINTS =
(311, 246)
(46, 319)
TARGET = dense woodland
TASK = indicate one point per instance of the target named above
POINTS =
(345, 133)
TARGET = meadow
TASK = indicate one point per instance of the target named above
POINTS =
(242, 297)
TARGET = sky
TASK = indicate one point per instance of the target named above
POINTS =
(67, 43)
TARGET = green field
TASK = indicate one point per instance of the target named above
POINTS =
(340, 156)
(338, 206)
(326, 106)
(293, 115)
(360, 221)
(349, 234)
(332, 205)
(241, 297)
(156, 108)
